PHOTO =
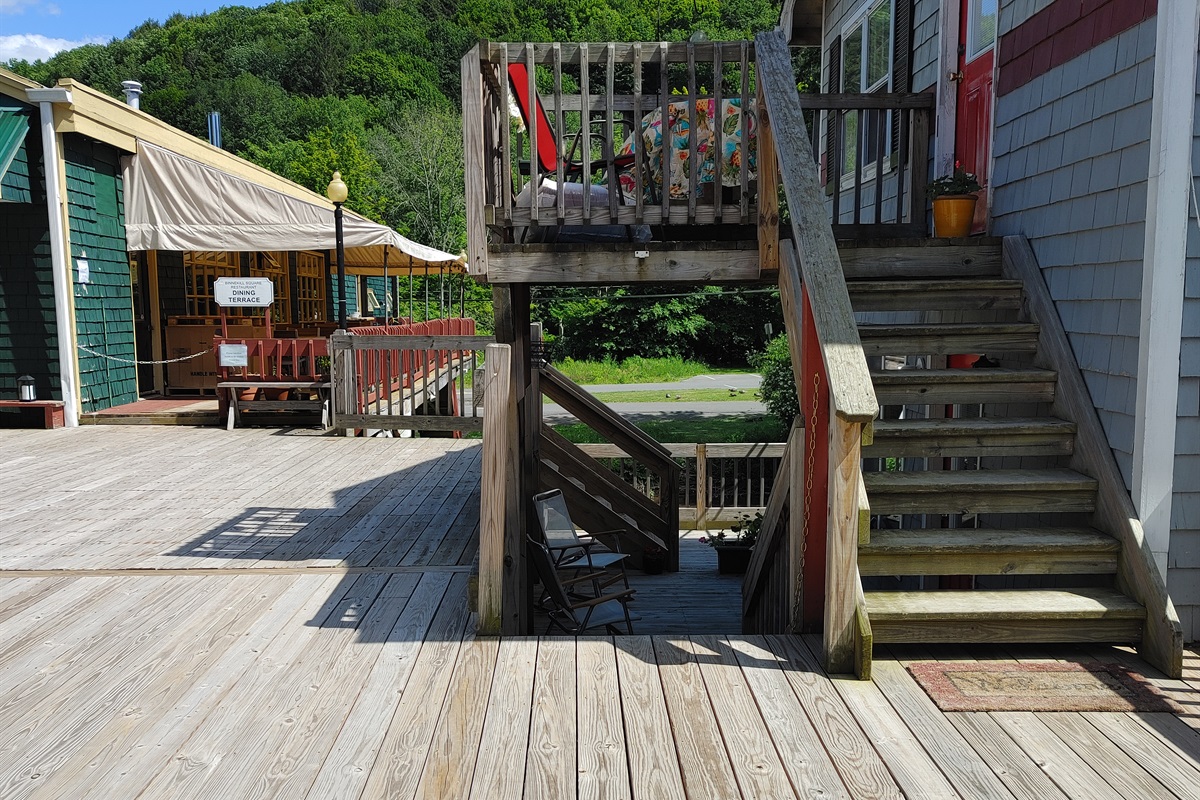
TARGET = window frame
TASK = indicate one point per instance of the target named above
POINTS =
(858, 26)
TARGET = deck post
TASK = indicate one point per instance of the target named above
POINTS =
(841, 562)
(501, 549)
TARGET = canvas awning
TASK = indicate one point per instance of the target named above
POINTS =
(177, 203)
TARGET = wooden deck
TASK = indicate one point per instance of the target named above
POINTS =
(197, 613)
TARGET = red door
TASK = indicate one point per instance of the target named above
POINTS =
(973, 128)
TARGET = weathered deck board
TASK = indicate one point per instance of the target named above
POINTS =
(305, 635)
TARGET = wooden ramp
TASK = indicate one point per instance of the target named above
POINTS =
(179, 620)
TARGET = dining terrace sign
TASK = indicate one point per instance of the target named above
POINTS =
(244, 292)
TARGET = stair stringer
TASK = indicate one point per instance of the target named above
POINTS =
(1137, 574)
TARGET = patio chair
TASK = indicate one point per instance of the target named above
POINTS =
(576, 614)
(572, 552)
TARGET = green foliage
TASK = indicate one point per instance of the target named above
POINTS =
(745, 532)
(778, 382)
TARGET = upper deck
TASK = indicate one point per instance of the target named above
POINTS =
(693, 200)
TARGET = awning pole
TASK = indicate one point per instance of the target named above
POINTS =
(386, 287)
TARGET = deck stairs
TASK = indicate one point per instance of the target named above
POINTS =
(982, 526)
(600, 500)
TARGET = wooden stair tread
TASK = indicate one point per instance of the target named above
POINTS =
(988, 540)
(969, 426)
(894, 377)
(984, 480)
(934, 284)
(1032, 604)
(965, 294)
(925, 329)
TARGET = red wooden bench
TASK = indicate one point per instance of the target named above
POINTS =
(53, 415)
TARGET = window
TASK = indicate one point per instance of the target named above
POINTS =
(866, 68)
(310, 283)
(981, 27)
(200, 272)
(275, 267)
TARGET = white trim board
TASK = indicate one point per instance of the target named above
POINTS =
(1167, 214)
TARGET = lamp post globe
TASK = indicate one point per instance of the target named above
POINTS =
(337, 193)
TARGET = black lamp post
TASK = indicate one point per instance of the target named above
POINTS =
(337, 192)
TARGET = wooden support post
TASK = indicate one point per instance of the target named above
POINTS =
(501, 545)
(701, 486)
(344, 378)
(768, 192)
(841, 561)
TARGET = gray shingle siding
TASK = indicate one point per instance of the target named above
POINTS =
(925, 44)
(1014, 12)
(1071, 158)
(1183, 558)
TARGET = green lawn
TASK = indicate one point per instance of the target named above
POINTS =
(636, 370)
(736, 428)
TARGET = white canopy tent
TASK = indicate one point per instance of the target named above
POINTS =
(173, 202)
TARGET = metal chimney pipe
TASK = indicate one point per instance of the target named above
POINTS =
(133, 93)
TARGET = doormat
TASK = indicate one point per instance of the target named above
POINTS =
(1049, 686)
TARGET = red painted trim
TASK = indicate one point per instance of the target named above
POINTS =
(1064, 30)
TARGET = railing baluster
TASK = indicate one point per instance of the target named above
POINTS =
(506, 190)
(719, 130)
(881, 118)
(744, 201)
(664, 129)
(693, 134)
(610, 154)
(586, 122)
(640, 157)
(901, 163)
(860, 141)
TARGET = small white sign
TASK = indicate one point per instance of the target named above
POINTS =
(85, 272)
(248, 292)
(233, 355)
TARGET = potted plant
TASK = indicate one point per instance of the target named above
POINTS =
(733, 551)
(654, 559)
(954, 202)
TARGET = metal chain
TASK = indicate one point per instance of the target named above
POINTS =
(811, 438)
(135, 361)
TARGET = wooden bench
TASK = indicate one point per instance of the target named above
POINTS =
(237, 405)
(53, 415)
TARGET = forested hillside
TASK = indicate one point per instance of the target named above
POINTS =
(371, 87)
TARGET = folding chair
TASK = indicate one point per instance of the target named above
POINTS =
(577, 614)
(572, 552)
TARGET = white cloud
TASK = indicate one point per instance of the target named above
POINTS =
(33, 46)
(16, 6)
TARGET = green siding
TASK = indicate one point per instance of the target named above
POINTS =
(103, 306)
(28, 339)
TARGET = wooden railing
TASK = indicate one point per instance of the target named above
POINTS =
(657, 515)
(607, 100)
(418, 376)
(875, 160)
(276, 359)
(718, 482)
(837, 399)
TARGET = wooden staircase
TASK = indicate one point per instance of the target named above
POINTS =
(983, 516)
(600, 501)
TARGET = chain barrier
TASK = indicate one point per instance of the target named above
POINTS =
(142, 363)
(810, 438)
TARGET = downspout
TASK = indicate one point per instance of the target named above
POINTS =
(59, 257)
(1168, 189)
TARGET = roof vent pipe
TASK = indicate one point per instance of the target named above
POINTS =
(133, 93)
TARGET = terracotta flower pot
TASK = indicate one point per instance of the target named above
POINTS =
(952, 215)
(246, 395)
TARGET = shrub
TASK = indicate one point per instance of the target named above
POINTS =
(778, 383)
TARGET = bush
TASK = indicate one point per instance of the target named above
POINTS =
(778, 383)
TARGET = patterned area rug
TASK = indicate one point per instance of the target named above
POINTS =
(1049, 686)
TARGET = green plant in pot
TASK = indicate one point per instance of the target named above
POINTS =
(734, 546)
(954, 197)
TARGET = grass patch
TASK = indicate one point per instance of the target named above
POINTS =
(635, 370)
(736, 428)
(682, 396)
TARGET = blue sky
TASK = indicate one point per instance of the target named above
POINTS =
(39, 28)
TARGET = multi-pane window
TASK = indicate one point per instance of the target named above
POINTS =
(866, 68)
(310, 285)
(275, 267)
(200, 271)
(981, 27)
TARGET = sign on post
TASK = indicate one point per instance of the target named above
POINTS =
(244, 292)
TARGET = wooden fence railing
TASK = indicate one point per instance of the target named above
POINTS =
(875, 160)
(836, 396)
(418, 376)
(717, 483)
(277, 359)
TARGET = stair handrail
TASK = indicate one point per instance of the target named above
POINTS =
(820, 266)
(812, 284)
